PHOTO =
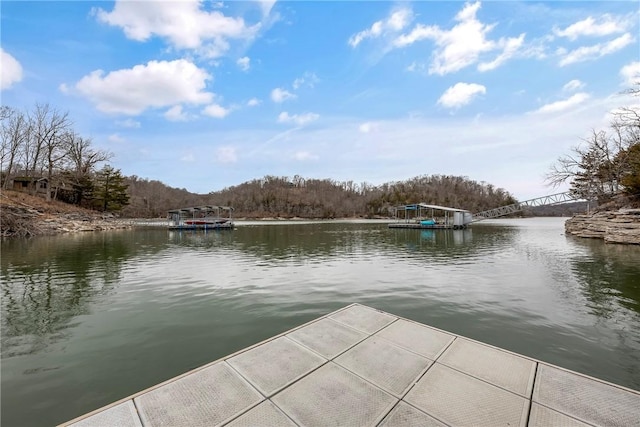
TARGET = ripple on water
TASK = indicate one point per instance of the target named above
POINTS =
(128, 310)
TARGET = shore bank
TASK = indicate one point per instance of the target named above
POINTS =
(619, 226)
(20, 221)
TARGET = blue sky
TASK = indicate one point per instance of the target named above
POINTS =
(205, 95)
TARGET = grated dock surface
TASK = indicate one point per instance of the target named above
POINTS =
(362, 367)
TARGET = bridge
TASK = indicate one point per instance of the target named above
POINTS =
(422, 216)
(553, 199)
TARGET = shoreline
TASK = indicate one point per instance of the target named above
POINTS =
(620, 226)
(19, 219)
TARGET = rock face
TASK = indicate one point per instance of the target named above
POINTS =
(24, 222)
(621, 226)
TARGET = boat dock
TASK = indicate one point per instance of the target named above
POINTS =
(419, 226)
(359, 366)
(201, 218)
(426, 217)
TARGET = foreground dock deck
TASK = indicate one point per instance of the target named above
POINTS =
(362, 367)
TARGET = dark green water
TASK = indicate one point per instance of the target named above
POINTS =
(88, 319)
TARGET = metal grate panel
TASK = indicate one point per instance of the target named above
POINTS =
(363, 318)
(404, 415)
(498, 367)
(458, 399)
(425, 341)
(122, 415)
(203, 398)
(587, 399)
(265, 414)
(273, 365)
(333, 396)
(391, 368)
(327, 337)
(542, 416)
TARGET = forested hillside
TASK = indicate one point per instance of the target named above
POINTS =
(288, 197)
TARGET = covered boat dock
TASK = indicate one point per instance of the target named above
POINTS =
(424, 216)
(201, 218)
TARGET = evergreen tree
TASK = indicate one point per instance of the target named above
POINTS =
(110, 191)
(631, 180)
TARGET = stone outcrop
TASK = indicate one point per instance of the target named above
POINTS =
(18, 221)
(620, 226)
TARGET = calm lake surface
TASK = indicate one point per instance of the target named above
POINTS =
(90, 318)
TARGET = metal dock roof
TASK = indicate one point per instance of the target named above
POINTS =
(426, 206)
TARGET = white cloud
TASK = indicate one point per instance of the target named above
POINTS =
(558, 106)
(368, 127)
(605, 26)
(510, 47)
(631, 73)
(298, 119)
(307, 79)
(175, 114)
(184, 24)
(253, 102)
(128, 123)
(116, 138)
(244, 63)
(461, 94)
(279, 95)
(573, 85)
(394, 23)
(11, 71)
(587, 53)
(266, 6)
(226, 155)
(463, 44)
(216, 111)
(304, 156)
(154, 85)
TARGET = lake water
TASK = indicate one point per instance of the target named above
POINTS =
(90, 318)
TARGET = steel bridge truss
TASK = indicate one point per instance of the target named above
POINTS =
(552, 199)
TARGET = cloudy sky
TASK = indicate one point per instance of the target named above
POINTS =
(205, 94)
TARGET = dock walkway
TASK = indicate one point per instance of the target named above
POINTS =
(362, 367)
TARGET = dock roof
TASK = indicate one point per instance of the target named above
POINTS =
(414, 206)
(200, 208)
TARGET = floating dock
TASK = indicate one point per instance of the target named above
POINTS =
(220, 226)
(420, 226)
(201, 218)
(428, 217)
(362, 367)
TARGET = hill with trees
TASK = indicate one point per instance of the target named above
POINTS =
(42, 154)
(289, 197)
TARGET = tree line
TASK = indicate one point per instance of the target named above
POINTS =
(289, 197)
(41, 146)
(607, 163)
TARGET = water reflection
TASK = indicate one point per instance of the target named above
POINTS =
(609, 277)
(48, 282)
(117, 312)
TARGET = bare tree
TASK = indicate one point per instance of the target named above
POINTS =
(597, 168)
(47, 143)
(82, 157)
(15, 132)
